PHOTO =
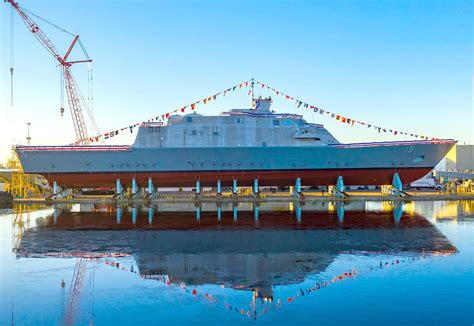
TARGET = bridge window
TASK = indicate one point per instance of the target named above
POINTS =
(276, 122)
(194, 133)
(215, 133)
(238, 120)
(189, 119)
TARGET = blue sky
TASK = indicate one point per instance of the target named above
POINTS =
(406, 65)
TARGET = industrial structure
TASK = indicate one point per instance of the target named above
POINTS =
(74, 96)
(20, 184)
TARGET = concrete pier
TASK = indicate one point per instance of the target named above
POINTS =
(264, 196)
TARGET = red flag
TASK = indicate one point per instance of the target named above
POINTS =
(192, 106)
(343, 119)
(182, 109)
(250, 92)
(287, 97)
(167, 115)
(338, 117)
(246, 83)
(204, 100)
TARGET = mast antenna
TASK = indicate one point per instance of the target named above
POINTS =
(28, 137)
(252, 88)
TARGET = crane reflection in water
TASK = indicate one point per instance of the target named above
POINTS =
(252, 247)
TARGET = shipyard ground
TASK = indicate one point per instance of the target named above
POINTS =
(264, 196)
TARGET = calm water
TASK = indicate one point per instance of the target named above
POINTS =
(281, 263)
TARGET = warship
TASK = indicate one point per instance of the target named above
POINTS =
(241, 146)
(240, 253)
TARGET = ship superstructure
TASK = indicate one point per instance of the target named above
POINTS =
(258, 127)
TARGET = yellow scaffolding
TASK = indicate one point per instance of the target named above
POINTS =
(21, 184)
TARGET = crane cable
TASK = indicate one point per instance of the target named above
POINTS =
(12, 54)
(59, 28)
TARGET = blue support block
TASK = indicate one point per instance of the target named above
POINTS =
(340, 212)
(55, 187)
(255, 186)
(56, 212)
(119, 214)
(298, 213)
(118, 188)
(397, 212)
(219, 213)
(397, 182)
(150, 186)
(297, 189)
(219, 187)
(234, 187)
(134, 215)
(235, 213)
(198, 213)
(340, 184)
(150, 215)
(255, 213)
(298, 185)
(134, 186)
(198, 187)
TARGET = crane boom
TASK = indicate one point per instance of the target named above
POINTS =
(72, 90)
(75, 106)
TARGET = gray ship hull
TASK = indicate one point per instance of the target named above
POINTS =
(358, 164)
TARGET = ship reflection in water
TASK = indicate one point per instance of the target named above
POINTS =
(246, 247)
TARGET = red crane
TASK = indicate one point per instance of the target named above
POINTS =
(74, 96)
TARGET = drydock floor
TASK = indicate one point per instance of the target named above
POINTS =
(361, 195)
